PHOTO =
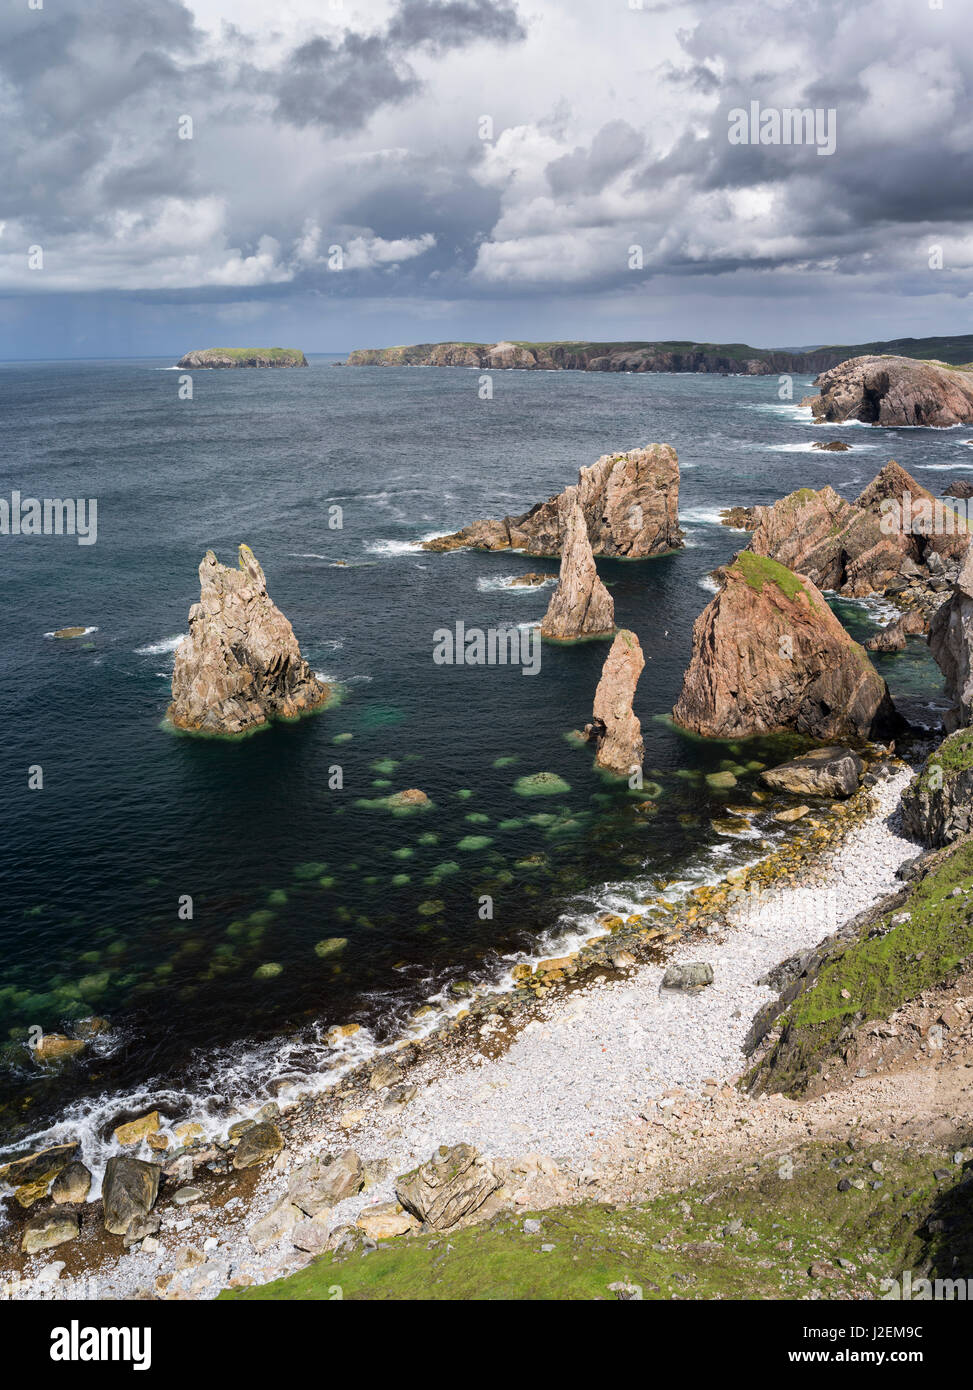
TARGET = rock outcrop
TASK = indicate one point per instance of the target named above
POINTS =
(861, 547)
(892, 638)
(454, 1183)
(769, 655)
(243, 357)
(241, 665)
(129, 1192)
(580, 606)
(823, 772)
(959, 488)
(951, 643)
(895, 391)
(614, 727)
(630, 503)
(937, 806)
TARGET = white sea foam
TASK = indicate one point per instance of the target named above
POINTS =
(165, 644)
(708, 583)
(505, 581)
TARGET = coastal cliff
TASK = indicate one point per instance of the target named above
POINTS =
(243, 357)
(241, 665)
(888, 390)
(669, 356)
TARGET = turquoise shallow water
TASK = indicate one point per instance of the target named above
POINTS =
(275, 858)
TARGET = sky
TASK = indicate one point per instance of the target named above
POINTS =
(332, 174)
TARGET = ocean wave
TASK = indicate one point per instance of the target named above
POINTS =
(165, 644)
(393, 547)
(708, 583)
(811, 447)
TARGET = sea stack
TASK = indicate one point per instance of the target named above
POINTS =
(241, 665)
(769, 656)
(630, 502)
(881, 390)
(614, 726)
(951, 643)
(580, 606)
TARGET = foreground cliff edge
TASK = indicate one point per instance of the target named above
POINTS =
(241, 666)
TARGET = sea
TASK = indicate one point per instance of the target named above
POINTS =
(220, 906)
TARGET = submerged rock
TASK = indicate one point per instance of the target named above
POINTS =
(614, 726)
(580, 606)
(892, 638)
(894, 391)
(241, 665)
(630, 503)
(833, 446)
(769, 655)
(823, 772)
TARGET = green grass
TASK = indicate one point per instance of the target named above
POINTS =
(890, 963)
(758, 570)
(954, 754)
(685, 1244)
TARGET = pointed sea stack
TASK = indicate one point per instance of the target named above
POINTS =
(241, 665)
(614, 726)
(580, 606)
(769, 656)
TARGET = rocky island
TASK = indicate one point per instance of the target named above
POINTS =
(243, 357)
(630, 503)
(241, 665)
(889, 390)
(580, 606)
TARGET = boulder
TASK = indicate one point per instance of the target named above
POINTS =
(129, 1191)
(823, 772)
(40, 1166)
(48, 1230)
(937, 806)
(72, 1184)
(614, 726)
(892, 638)
(241, 665)
(452, 1184)
(274, 1225)
(630, 503)
(136, 1130)
(259, 1144)
(769, 655)
(580, 606)
(890, 390)
(311, 1234)
(690, 977)
(386, 1219)
(324, 1181)
(55, 1047)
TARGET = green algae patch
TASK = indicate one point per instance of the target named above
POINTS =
(268, 971)
(471, 843)
(312, 869)
(385, 766)
(330, 946)
(428, 838)
(507, 761)
(721, 781)
(277, 898)
(541, 784)
(751, 1233)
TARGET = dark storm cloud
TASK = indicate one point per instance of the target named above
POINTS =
(615, 148)
(454, 23)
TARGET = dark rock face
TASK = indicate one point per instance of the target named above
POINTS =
(951, 643)
(894, 391)
(937, 806)
(833, 446)
(769, 655)
(892, 639)
(129, 1192)
(630, 503)
(823, 772)
(959, 489)
(452, 1184)
(240, 665)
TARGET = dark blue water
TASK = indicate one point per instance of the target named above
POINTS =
(131, 817)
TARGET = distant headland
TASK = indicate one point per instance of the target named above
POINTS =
(723, 358)
(243, 357)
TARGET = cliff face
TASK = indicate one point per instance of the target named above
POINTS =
(951, 643)
(895, 391)
(614, 727)
(243, 357)
(241, 665)
(724, 358)
(580, 606)
(630, 503)
(937, 806)
(769, 655)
